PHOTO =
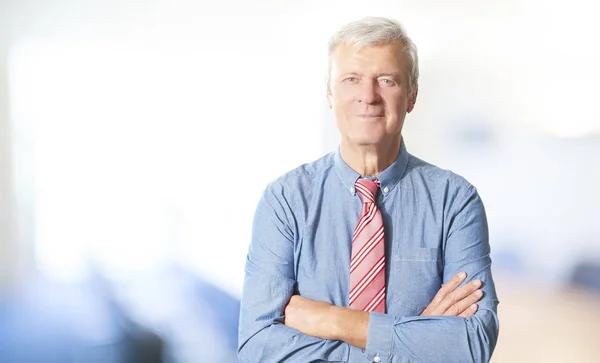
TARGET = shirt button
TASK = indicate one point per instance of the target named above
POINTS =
(352, 190)
(376, 359)
(386, 189)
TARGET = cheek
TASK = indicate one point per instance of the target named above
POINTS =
(342, 105)
(344, 94)
(341, 116)
(396, 105)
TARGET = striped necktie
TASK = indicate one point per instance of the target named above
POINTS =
(367, 265)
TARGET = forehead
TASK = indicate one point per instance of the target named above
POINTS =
(386, 58)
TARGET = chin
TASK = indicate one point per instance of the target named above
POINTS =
(366, 140)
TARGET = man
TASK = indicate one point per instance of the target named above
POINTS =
(369, 254)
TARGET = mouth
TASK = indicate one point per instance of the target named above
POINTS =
(371, 116)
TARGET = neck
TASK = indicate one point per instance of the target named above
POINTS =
(370, 160)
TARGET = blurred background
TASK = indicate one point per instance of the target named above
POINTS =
(133, 132)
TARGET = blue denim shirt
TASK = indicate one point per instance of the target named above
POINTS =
(435, 227)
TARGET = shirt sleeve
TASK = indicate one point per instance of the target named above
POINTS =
(269, 283)
(441, 338)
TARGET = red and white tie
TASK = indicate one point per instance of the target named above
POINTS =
(367, 265)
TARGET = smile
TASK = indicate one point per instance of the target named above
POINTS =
(369, 116)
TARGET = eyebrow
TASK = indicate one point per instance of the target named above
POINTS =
(388, 74)
(393, 74)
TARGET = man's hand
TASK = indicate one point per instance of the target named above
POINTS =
(451, 301)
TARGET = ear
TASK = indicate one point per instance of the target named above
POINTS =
(412, 99)
(329, 101)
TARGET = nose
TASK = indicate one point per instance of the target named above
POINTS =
(369, 93)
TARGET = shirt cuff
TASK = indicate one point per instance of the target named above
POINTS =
(379, 338)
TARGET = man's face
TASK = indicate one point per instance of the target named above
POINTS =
(369, 92)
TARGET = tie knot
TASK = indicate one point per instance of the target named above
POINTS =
(367, 189)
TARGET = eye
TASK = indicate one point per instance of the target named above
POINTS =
(351, 79)
(387, 81)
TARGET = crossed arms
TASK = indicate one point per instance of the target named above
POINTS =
(278, 326)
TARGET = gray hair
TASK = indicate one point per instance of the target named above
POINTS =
(373, 31)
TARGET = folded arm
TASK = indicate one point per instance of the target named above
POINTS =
(424, 338)
(268, 286)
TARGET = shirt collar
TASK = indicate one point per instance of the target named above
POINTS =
(388, 178)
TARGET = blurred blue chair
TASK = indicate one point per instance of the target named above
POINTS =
(47, 322)
(586, 274)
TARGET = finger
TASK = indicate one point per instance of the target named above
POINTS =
(434, 307)
(448, 287)
(470, 311)
(462, 305)
(458, 295)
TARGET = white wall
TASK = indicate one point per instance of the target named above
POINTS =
(138, 108)
(155, 131)
(6, 245)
